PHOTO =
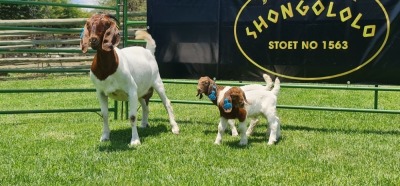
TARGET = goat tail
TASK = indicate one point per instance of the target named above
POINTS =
(150, 43)
(277, 87)
(268, 82)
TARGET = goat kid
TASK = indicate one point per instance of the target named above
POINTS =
(234, 103)
(208, 87)
(128, 74)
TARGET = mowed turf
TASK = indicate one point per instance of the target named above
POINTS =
(316, 148)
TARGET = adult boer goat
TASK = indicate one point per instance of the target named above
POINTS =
(128, 74)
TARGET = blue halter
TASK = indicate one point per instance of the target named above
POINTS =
(213, 95)
(227, 104)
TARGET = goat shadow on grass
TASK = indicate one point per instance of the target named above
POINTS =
(228, 130)
(255, 138)
(345, 131)
(120, 138)
(251, 140)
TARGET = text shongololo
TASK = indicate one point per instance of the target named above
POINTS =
(318, 8)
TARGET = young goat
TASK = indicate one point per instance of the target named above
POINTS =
(234, 103)
(128, 74)
(208, 87)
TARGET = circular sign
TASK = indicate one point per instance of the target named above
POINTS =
(348, 33)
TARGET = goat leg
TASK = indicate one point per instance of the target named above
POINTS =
(233, 127)
(243, 136)
(145, 112)
(274, 129)
(159, 87)
(133, 104)
(221, 129)
(103, 99)
(250, 130)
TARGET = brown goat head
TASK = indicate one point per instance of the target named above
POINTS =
(234, 98)
(204, 86)
(100, 32)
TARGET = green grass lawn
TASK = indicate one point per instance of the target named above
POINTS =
(317, 147)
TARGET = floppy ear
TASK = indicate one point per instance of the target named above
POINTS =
(238, 96)
(210, 85)
(244, 97)
(111, 37)
(85, 39)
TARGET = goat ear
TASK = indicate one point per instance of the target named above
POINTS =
(85, 39)
(210, 86)
(244, 97)
(111, 37)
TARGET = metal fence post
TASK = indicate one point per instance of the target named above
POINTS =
(125, 21)
(376, 98)
(115, 110)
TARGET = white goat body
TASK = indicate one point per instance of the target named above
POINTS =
(257, 103)
(205, 82)
(139, 72)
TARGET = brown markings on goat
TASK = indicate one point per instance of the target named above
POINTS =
(236, 96)
(104, 64)
(205, 86)
(148, 95)
(101, 33)
(132, 118)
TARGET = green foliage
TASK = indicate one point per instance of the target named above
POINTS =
(54, 12)
(133, 5)
(12, 11)
(317, 147)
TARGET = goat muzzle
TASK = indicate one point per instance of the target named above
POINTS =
(199, 93)
(94, 42)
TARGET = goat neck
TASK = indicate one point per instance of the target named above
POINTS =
(105, 63)
(213, 91)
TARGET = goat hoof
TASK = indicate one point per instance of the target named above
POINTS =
(235, 133)
(217, 143)
(248, 134)
(271, 143)
(104, 138)
(175, 130)
(145, 125)
(243, 142)
(134, 143)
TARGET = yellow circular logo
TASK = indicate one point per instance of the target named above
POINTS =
(307, 33)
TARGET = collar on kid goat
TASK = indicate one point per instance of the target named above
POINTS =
(213, 95)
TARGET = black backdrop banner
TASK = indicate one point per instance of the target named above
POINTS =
(297, 40)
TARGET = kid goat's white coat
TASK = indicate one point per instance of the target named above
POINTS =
(211, 89)
(234, 103)
(128, 74)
